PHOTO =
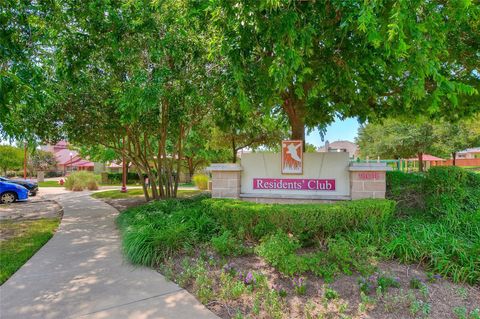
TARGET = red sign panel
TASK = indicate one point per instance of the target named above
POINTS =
(295, 184)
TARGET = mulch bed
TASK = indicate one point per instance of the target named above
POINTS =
(439, 300)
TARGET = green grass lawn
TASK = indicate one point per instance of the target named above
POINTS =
(115, 194)
(49, 184)
(56, 184)
(24, 239)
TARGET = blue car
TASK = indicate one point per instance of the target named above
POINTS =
(10, 193)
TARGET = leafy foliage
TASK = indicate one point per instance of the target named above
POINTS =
(452, 190)
(407, 190)
(11, 158)
(313, 59)
(227, 244)
(279, 250)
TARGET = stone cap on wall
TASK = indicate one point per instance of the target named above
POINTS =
(224, 167)
(369, 167)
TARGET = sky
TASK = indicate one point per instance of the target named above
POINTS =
(338, 130)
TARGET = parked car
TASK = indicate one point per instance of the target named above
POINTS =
(30, 185)
(10, 192)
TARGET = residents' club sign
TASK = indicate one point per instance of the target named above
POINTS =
(294, 184)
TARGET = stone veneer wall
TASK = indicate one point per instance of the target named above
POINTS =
(367, 180)
(367, 184)
(226, 181)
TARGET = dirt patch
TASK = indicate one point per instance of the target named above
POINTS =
(433, 298)
(30, 210)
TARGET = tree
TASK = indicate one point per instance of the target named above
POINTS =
(41, 161)
(318, 59)
(454, 137)
(395, 138)
(11, 158)
(199, 150)
(134, 78)
(25, 71)
(310, 148)
(238, 130)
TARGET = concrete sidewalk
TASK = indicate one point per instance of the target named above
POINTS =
(80, 273)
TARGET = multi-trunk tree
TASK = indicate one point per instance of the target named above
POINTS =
(134, 79)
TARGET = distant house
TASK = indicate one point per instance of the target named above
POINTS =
(469, 153)
(341, 146)
(68, 160)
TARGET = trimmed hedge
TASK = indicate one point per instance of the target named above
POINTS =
(451, 189)
(407, 190)
(305, 221)
(117, 177)
(441, 190)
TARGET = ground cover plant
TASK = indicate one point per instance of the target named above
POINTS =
(258, 260)
(20, 240)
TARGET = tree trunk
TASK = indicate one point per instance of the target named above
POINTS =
(234, 151)
(144, 187)
(295, 110)
(191, 168)
(454, 155)
(420, 162)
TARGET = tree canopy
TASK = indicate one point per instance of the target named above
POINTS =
(318, 59)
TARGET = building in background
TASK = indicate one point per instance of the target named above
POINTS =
(469, 153)
(341, 146)
(68, 160)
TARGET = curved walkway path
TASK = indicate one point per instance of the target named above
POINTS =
(80, 273)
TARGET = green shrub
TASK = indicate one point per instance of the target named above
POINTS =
(116, 178)
(227, 245)
(407, 190)
(279, 251)
(305, 222)
(81, 180)
(201, 181)
(155, 231)
(451, 189)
